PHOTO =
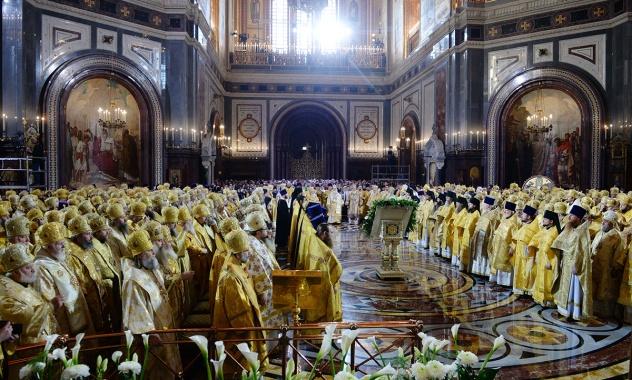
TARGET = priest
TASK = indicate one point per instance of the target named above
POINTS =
(574, 291)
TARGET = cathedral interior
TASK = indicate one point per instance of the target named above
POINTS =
(120, 112)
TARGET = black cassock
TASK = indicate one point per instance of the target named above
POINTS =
(282, 223)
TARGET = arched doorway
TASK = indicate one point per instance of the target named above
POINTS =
(132, 91)
(522, 142)
(406, 144)
(307, 141)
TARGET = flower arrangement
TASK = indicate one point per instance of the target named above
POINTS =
(424, 364)
(367, 224)
(42, 366)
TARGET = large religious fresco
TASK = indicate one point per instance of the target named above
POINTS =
(549, 147)
(102, 134)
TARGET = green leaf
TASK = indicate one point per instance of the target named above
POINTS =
(367, 224)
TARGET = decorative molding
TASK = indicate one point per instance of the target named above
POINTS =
(69, 75)
(107, 40)
(543, 52)
(276, 105)
(135, 13)
(61, 37)
(506, 92)
(587, 53)
(145, 53)
(502, 64)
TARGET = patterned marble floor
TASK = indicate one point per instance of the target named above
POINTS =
(539, 343)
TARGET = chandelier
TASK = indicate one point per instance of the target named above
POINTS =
(539, 122)
(308, 6)
(111, 117)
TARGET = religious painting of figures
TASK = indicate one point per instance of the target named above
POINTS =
(102, 134)
(543, 137)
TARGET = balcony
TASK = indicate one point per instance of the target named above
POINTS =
(260, 57)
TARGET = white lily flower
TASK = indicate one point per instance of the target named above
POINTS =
(467, 358)
(76, 372)
(130, 367)
(59, 354)
(435, 370)
(438, 345)
(116, 356)
(455, 330)
(77, 347)
(50, 339)
(218, 365)
(219, 348)
(426, 342)
(386, 371)
(348, 337)
(104, 365)
(330, 329)
(145, 340)
(400, 352)
(26, 372)
(201, 342)
(251, 357)
(129, 338)
(421, 335)
(325, 346)
(135, 357)
(498, 342)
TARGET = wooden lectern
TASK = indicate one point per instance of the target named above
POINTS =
(297, 289)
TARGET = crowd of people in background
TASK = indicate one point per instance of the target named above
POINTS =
(98, 260)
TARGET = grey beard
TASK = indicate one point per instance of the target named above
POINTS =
(166, 253)
(150, 264)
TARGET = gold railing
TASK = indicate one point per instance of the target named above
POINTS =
(301, 343)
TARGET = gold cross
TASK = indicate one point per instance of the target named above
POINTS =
(89, 3)
(560, 19)
(157, 20)
(492, 31)
(599, 11)
(125, 11)
(525, 25)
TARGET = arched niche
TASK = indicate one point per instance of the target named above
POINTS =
(505, 108)
(70, 76)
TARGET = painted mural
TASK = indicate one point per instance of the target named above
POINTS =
(549, 147)
(102, 134)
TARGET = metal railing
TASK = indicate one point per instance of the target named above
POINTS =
(23, 173)
(362, 58)
(301, 343)
(393, 173)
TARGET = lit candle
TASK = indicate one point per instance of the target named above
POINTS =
(173, 136)
(41, 125)
(484, 133)
(611, 131)
(4, 126)
(471, 138)
(181, 135)
(193, 135)
(477, 132)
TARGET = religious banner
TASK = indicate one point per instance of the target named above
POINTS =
(365, 131)
(248, 130)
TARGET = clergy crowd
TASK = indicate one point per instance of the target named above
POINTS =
(565, 249)
(100, 260)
